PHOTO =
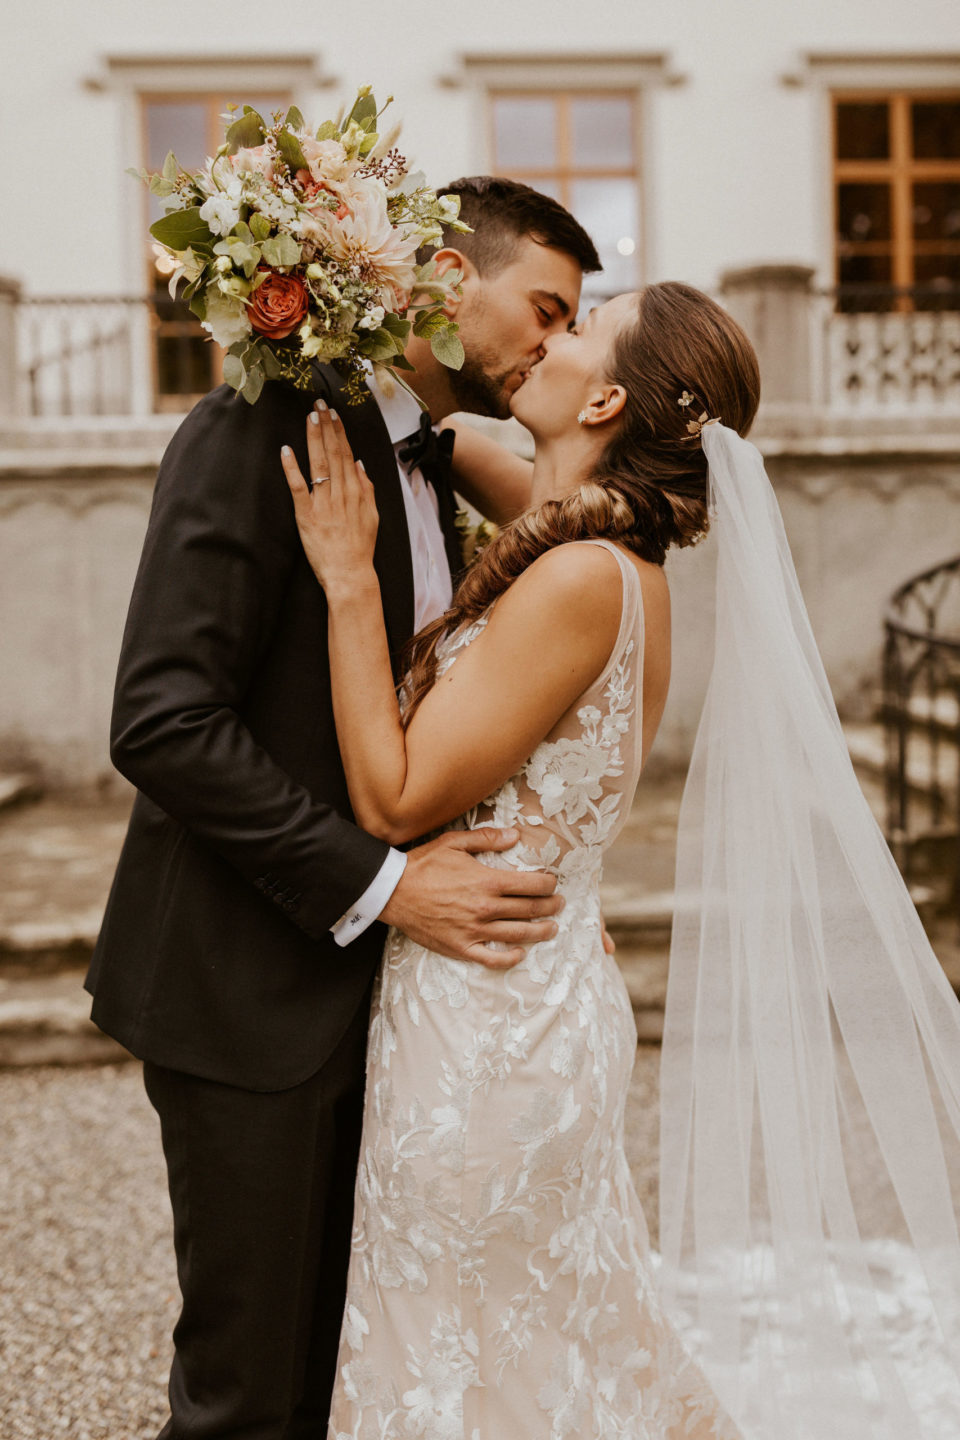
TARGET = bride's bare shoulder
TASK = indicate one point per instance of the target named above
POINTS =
(572, 564)
(578, 576)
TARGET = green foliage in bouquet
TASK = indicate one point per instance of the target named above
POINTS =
(296, 245)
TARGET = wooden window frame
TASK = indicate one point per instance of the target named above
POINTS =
(900, 171)
(564, 173)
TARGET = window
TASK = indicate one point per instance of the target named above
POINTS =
(580, 147)
(897, 199)
(186, 363)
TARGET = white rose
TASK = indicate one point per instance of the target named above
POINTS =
(327, 159)
(226, 319)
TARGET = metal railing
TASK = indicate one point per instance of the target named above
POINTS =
(921, 713)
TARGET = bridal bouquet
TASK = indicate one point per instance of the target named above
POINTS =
(298, 246)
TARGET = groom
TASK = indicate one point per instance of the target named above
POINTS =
(242, 931)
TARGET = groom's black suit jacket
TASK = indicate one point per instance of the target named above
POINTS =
(215, 955)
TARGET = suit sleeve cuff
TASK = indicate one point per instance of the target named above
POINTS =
(373, 900)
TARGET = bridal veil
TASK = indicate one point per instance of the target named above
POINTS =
(810, 1121)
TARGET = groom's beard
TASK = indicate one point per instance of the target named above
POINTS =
(479, 391)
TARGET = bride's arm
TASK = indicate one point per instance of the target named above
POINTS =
(548, 637)
(490, 477)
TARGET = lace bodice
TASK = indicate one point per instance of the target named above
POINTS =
(571, 797)
(500, 1282)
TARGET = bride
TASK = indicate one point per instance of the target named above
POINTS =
(501, 1285)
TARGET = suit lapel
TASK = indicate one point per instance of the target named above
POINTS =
(370, 443)
(447, 509)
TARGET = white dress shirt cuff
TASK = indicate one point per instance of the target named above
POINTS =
(373, 900)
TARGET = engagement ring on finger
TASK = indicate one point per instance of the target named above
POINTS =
(319, 479)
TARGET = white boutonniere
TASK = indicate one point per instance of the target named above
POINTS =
(474, 538)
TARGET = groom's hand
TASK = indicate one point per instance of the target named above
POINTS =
(449, 902)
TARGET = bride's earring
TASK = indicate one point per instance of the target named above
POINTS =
(581, 417)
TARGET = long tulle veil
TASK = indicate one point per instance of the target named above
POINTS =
(810, 1114)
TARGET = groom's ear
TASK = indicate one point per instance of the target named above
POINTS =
(449, 259)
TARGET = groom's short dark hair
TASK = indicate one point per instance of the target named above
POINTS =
(502, 213)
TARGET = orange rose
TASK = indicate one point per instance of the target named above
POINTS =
(278, 305)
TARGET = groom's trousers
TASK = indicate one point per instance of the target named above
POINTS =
(262, 1192)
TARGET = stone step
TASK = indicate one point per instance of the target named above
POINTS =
(57, 858)
(37, 947)
(636, 919)
(17, 787)
(645, 973)
(45, 1020)
(867, 746)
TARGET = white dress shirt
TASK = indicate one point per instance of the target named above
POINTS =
(432, 593)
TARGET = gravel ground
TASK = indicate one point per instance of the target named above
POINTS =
(88, 1291)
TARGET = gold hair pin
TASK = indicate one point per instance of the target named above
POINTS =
(694, 427)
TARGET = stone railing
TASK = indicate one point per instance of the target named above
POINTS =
(94, 355)
(892, 362)
(74, 356)
(818, 356)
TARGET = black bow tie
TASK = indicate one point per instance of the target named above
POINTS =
(428, 452)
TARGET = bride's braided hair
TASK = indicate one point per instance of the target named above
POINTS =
(648, 490)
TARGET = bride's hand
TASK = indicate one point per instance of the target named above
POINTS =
(336, 514)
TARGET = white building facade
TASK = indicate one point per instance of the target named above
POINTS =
(768, 152)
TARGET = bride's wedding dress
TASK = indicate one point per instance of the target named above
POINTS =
(500, 1280)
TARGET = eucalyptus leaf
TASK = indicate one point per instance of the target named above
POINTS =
(294, 118)
(271, 365)
(161, 187)
(247, 257)
(390, 337)
(259, 226)
(398, 325)
(328, 130)
(402, 363)
(253, 386)
(429, 323)
(182, 229)
(448, 348)
(198, 304)
(243, 232)
(292, 151)
(170, 167)
(368, 144)
(246, 133)
(380, 346)
(281, 250)
(234, 373)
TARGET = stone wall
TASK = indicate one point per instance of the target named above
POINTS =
(859, 525)
(863, 513)
(72, 519)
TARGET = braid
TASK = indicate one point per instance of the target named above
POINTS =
(594, 511)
